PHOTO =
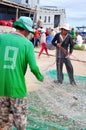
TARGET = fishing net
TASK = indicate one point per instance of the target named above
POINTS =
(48, 107)
(52, 73)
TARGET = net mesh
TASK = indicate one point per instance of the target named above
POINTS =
(48, 108)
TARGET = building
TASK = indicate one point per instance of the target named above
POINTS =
(50, 16)
(12, 9)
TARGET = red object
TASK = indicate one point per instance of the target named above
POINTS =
(6, 23)
(47, 32)
(44, 48)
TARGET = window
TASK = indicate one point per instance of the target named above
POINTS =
(49, 19)
(37, 1)
(45, 19)
(40, 17)
(27, 1)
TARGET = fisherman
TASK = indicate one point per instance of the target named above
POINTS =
(16, 53)
(64, 48)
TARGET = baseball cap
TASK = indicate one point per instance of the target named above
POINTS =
(25, 23)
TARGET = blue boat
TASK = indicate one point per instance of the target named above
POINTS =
(82, 30)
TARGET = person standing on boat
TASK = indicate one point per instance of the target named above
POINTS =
(64, 48)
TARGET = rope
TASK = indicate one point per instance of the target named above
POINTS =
(76, 59)
(66, 52)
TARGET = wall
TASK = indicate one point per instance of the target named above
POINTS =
(51, 13)
(31, 3)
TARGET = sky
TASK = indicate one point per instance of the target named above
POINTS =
(75, 10)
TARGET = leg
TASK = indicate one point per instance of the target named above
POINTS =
(46, 50)
(19, 110)
(40, 52)
(59, 66)
(70, 70)
(4, 112)
(41, 49)
(35, 42)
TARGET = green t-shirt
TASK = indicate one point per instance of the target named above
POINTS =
(73, 34)
(16, 52)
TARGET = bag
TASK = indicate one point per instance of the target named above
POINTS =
(49, 44)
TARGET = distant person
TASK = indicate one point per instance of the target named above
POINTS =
(79, 39)
(36, 37)
(43, 43)
(40, 23)
(64, 48)
(50, 36)
(79, 42)
(73, 34)
(16, 53)
(49, 39)
(47, 32)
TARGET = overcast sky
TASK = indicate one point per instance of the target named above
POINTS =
(75, 10)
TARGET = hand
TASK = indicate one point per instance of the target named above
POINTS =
(59, 45)
(67, 56)
(44, 79)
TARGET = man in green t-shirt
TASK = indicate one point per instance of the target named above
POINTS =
(73, 34)
(16, 53)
